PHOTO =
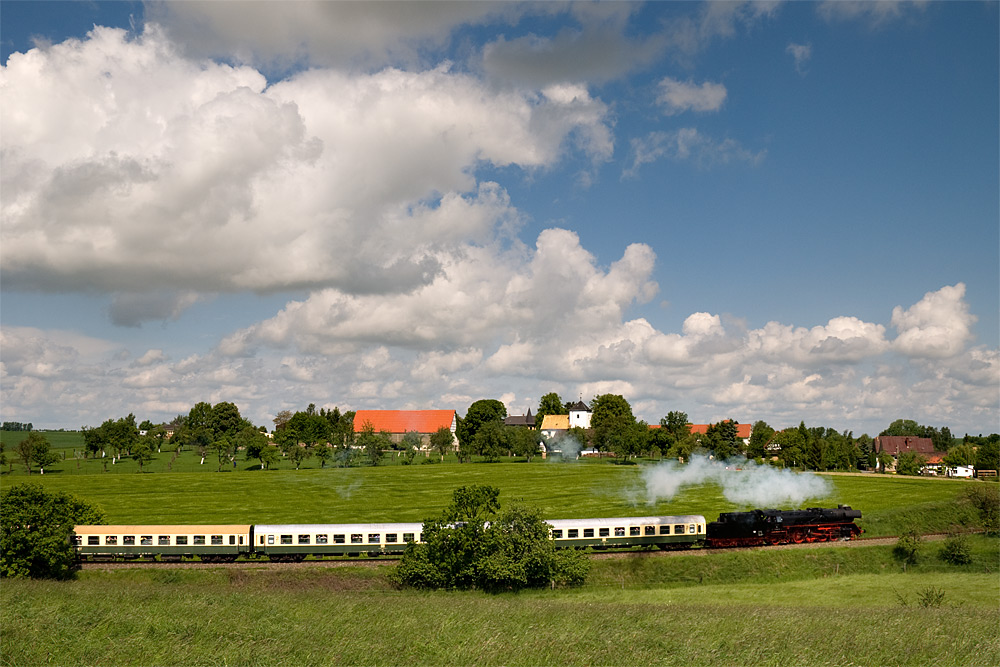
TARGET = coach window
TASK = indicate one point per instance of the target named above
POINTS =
(199, 540)
(146, 540)
(573, 532)
(605, 532)
(303, 539)
(678, 529)
(128, 540)
(634, 531)
(286, 539)
(664, 530)
(77, 541)
(216, 540)
(408, 537)
(232, 540)
(270, 539)
(620, 531)
(338, 539)
(373, 538)
(93, 541)
(650, 530)
(182, 540)
(557, 534)
(163, 541)
(390, 538)
(357, 538)
(588, 532)
(691, 529)
(111, 540)
(699, 528)
(321, 539)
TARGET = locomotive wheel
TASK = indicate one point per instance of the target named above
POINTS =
(798, 537)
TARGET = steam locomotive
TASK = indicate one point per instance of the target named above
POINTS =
(764, 527)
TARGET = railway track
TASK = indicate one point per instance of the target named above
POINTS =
(361, 561)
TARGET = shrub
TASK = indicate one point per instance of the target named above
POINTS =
(907, 549)
(986, 499)
(956, 550)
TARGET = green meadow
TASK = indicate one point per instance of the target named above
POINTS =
(830, 606)
(395, 492)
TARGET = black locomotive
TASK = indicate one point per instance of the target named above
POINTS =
(761, 527)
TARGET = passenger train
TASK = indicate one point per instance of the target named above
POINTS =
(294, 542)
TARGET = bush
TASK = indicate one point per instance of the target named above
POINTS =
(35, 531)
(986, 499)
(907, 549)
(956, 550)
(475, 545)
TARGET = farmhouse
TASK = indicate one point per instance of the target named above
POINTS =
(520, 421)
(398, 422)
(579, 416)
(743, 431)
(894, 445)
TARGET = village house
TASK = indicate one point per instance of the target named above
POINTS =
(895, 445)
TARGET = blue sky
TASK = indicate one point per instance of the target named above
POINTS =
(778, 211)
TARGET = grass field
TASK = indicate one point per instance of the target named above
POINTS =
(412, 493)
(836, 607)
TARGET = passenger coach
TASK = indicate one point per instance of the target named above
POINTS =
(212, 543)
(665, 532)
(296, 541)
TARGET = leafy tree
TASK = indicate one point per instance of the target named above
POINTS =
(907, 549)
(224, 450)
(298, 454)
(524, 442)
(443, 441)
(475, 545)
(910, 463)
(322, 451)
(281, 419)
(257, 446)
(146, 425)
(410, 443)
(611, 421)
(35, 449)
(960, 455)
(988, 455)
(722, 439)
(550, 404)
(480, 413)
(490, 441)
(956, 550)
(759, 437)
(225, 420)
(791, 443)
(904, 427)
(142, 451)
(373, 444)
(35, 529)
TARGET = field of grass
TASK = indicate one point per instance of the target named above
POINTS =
(412, 493)
(839, 610)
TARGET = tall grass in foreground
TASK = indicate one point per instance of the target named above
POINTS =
(352, 616)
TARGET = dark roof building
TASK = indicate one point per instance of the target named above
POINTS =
(523, 421)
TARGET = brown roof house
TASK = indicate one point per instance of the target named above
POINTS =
(899, 444)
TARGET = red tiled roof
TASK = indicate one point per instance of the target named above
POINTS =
(742, 430)
(401, 421)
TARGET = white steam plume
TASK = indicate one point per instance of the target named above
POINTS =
(743, 482)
